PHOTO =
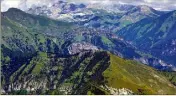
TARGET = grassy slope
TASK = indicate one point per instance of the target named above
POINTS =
(37, 23)
(21, 30)
(139, 78)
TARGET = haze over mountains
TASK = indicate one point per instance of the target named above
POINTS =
(68, 48)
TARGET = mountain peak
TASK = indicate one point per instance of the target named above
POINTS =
(14, 10)
(11, 12)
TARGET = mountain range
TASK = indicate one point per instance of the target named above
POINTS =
(155, 36)
(69, 48)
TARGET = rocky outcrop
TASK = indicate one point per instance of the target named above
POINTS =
(115, 91)
(80, 47)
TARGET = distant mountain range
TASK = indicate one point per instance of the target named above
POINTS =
(112, 17)
(85, 49)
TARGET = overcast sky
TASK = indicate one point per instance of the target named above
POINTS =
(24, 4)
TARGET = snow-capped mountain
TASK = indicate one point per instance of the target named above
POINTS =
(58, 10)
(114, 17)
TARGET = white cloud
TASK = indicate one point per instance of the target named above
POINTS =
(149, 1)
(6, 4)
(106, 2)
(24, 4)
